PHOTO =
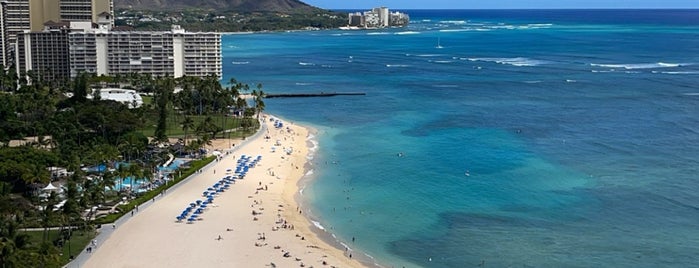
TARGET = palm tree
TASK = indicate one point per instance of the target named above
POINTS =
(162, 98)
(205, 140)
(136, 173)
(187, 124)
(122, 172)
(259, 103)
(12, 243)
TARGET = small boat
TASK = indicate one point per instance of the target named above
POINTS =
(438, 43)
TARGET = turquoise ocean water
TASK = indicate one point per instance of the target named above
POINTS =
(528, 138)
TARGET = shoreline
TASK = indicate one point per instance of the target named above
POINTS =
(316, 230)
(228, 235)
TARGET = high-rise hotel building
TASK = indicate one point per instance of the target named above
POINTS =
(68, 46)
(173, 53)
(30, 15)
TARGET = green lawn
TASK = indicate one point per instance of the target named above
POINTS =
(78, 241)
(147, 99)
(174, 125)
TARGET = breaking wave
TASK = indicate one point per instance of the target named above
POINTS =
(519, 61)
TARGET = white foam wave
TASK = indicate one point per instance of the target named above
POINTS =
(441, 61)
(397, 65)
(326, 66)
(407, 32)
(378, 33)
(533, 82)
(691, 94)
(465, 30)
(520, 27)
(458, 22)
(519, 61)
(688, 72)
(427, 55)
(633, 66)
(303, 84)
(314, 145)
(306, 63)
(571, 81)
(240, 62)
(317, 224)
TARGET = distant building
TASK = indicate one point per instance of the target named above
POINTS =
(378, 17)
(356, 19)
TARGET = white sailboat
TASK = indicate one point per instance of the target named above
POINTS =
(438, 43)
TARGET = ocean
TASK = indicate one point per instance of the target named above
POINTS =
(498, 138)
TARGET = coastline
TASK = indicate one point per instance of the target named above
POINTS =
(293, 195)
(276, 234)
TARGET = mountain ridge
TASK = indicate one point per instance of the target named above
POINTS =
(221, 5)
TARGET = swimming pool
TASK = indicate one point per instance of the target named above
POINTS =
(138, 185)
(172, 166)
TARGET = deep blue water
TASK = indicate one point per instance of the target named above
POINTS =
(529, 139)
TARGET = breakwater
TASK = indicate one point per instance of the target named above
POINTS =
(308, 95)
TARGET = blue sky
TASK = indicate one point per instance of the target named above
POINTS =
(490, 4)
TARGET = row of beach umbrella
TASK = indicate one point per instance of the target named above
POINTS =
(193, 212)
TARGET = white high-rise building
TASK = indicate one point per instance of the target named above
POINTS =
(378, 17)
(173, 53)
(383, 16)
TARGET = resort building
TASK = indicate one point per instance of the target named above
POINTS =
(19, 16)
(15, 20)
(173, 53)
(63, 50)
(85, 10)
(45, 52)
(378, 17)
(4, 43)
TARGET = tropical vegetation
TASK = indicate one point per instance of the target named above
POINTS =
(47, 126)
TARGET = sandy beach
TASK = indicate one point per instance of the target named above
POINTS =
(255, 223)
